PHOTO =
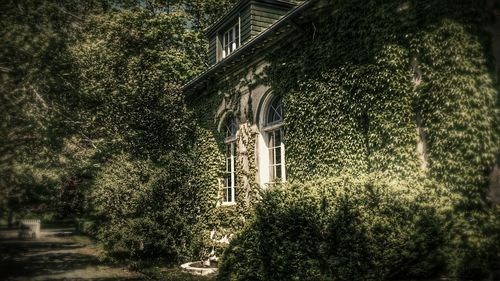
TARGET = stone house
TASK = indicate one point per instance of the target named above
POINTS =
(249, 114)
(238, 43)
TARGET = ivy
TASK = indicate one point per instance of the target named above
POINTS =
(401, 88)
(381, 71)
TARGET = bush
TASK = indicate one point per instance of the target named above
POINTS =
(145, 210)
(342, 229)
(474, 243)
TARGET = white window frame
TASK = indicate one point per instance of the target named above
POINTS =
(273, 148)
(229, 46)
(267, 149)
(230, 162)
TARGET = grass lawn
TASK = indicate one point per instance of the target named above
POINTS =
(152, 272)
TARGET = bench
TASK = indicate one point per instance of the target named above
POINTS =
(29, 229)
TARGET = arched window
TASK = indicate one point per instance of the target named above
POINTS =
(231, 128)
(230, 174)
(275, 144)
(274, 112)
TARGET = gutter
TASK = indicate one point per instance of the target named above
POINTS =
(278, 24)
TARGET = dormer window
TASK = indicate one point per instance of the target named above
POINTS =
(231, 40)
(246, 20)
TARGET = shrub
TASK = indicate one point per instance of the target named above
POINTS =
(378, 229)
(342, 229)
(474, 243)
(144, 210)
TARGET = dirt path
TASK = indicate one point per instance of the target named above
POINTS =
(55, 257)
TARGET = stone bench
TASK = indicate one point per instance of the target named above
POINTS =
(29, 229)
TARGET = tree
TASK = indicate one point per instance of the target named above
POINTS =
(36, 97)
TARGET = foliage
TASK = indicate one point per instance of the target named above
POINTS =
(149, 55)
(408, 73)
(474, 243)
(368, 228)
(136, 116)
(133, 64)
(90, 108)
(84, 84)
(208, 153)
(36, 99)
(145, 210)
(401, 74)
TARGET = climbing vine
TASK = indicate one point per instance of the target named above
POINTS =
(401, 88)
(383, 71)
(223, 221)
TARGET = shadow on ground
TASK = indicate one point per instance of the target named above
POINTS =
(55, 258)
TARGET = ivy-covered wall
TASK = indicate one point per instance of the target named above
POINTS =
(378, 78)
(231, 99)
(404, 88)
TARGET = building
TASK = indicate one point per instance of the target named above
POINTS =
(239, 102)
(238, 43)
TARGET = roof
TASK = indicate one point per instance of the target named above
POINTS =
(263, 37)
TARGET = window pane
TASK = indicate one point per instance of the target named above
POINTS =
(271, 156)
(229, 195)
(231, 127)
(275, 111)
(278, 171)
(277, 155)
(271, 140)
(237, 35)
(272, 175)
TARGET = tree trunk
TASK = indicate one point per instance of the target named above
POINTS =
(10, 218)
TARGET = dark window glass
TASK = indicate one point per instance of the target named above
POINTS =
(231, 128)
(275, 112)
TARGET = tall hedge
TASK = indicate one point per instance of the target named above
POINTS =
(343, 228)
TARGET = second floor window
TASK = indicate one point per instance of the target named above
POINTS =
(230, 40)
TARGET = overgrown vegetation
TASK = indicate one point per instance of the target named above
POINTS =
(93, 112)
(92, 115)
(343, 228)
(367, 85)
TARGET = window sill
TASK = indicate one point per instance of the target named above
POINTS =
(228, 204)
